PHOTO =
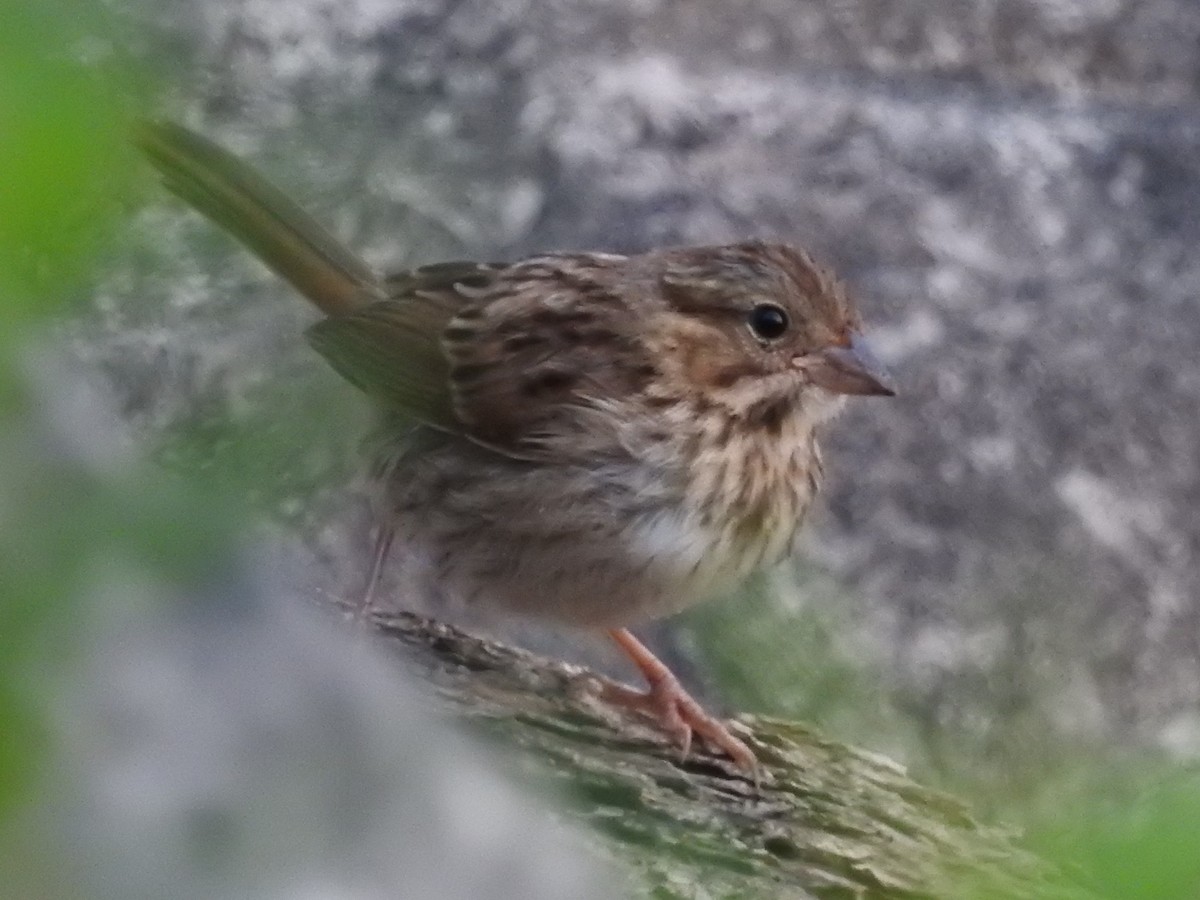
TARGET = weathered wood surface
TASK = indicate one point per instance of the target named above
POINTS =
(827, 820)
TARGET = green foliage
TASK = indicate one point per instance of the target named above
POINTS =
(64, 155)
(1129, 835)
(64, 169)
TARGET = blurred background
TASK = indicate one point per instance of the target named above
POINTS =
(1000, 585)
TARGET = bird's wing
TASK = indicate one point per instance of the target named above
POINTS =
(509, 356)
(392, 349)
(550, 342)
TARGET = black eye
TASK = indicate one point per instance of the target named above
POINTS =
(768, 321)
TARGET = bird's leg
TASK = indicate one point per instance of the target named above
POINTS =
(383, 544)
(677, 711)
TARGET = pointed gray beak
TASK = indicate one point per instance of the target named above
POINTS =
(852, 369)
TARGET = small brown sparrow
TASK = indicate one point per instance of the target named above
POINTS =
(584, 437)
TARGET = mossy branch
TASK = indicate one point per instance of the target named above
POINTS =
(827, 820)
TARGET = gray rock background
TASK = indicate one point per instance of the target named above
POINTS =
(1011, 188)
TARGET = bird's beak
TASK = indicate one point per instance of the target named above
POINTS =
(849, 369)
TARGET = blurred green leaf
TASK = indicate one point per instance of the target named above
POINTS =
(64, 153)
(64, 172)
(1130, 836)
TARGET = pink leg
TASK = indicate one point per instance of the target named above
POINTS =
(383, 544)
(677, 711)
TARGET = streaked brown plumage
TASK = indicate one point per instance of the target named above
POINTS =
(590, 438)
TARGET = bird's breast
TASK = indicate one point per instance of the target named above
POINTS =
(747, 491)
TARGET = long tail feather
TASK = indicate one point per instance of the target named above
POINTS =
(259, 215)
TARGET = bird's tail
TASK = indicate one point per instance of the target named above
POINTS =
(259, 215)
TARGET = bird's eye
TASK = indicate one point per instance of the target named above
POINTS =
(768, 321)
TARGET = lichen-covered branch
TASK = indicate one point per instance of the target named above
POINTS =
(827, 820)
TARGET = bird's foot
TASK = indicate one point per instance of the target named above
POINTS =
(678, 714)
(676, 711)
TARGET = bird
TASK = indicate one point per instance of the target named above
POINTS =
(590, 439)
